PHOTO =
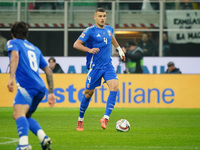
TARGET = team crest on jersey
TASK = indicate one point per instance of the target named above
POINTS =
(109, 33)
(88, 85)
(82, 35)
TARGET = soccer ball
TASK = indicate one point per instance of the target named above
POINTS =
(123, 125)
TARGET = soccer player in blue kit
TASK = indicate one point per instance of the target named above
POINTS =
(25, 61)
(98, 39)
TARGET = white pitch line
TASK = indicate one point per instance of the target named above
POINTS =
(143, 147)
(11, 140)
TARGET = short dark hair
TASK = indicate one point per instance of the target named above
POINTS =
(20, 30)
(170, 64)
(52, 58)
(100, 9)
(130, 43)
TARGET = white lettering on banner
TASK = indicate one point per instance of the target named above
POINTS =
(152, 65)
(187, 19)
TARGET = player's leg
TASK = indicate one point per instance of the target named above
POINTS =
(83, 107)
(34, 126)
(93, 80)
(21, 105)
(112, 81)
(85, 102)
(113, 86)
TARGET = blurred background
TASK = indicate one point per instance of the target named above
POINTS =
(167, 31)
(172, 27)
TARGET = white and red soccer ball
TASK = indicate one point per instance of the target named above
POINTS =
(123, 125)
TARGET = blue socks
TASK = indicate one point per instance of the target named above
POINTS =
(109, 107)
(33, 125)
(22, 126)
(83, 106)
(110, 103)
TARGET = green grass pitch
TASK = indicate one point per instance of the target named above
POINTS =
(151, 129)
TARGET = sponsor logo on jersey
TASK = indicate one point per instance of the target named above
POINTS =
(8, 42)
(98, 35)
(10, 46)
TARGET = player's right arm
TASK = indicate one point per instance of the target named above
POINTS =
(79, 45)
(14, 60)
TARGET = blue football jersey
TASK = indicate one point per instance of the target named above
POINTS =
(30, 60)
(95, 37)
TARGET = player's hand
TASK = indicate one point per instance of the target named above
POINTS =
(51, 99)
(122, 55)
(11, 85)
(124, 49)
(123, 58)
(94, 50)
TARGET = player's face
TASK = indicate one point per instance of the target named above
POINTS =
(100, 19)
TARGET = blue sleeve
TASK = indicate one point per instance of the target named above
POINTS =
(85, 35)
(43, 62)
(112, 30)
(12, 45)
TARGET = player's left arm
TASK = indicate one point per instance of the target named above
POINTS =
(116, 44)
(49, 77)
(14, 61)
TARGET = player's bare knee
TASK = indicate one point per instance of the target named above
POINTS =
(88, 94)
(116, 89)
(15, 116)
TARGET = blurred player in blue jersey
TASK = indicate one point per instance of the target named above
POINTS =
(98, 39)
(25, 61)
